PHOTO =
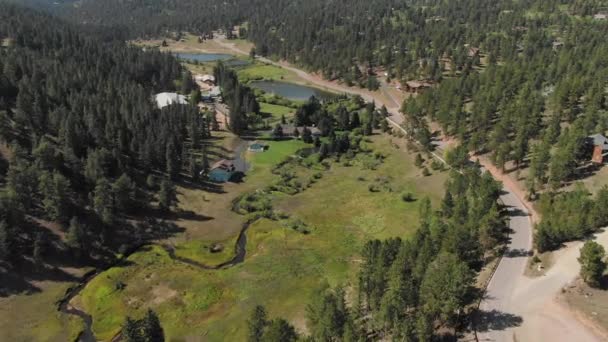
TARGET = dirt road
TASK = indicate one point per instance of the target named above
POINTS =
(519, 308)
(516, 307)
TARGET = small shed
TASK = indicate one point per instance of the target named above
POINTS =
(221, 171)
(600, 148)
(257, 147)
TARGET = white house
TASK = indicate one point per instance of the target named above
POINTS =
(165, 99)
(207, 79)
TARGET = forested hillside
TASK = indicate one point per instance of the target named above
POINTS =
(82, 139)
(411, 39)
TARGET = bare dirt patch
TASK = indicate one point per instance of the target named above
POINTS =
(590, 305)
(162, 293)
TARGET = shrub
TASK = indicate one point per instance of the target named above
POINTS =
(407, 197)
(437, 165)
(426, 172)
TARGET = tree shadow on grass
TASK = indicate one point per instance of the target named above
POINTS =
(21, 278)
(495, 320)
(13, 283)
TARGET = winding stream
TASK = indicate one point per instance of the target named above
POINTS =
(87, 335)
(240, 249)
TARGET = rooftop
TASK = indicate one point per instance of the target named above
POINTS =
(165, 99)
(223, 164)
(599, 140)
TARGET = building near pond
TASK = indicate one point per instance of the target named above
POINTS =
(221, 171)
(165, 99)
(257, 147)
(208, 79)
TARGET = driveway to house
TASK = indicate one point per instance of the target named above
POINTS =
(516, 308)
(519, 308)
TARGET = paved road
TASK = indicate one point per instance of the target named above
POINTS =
(496, 318)
(519, 308)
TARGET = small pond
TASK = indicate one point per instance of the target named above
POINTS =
(204, 57)
(290, 91)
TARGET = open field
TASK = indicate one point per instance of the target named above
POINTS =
(276, 111)
(34, 317)
(188, 43)
(262, 71)
(282, 265)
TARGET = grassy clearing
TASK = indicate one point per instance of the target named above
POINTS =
(180, 294)
(207, 253)
(276, 111)
(282, 265)
(277, 151)
(242, 44)
(260, 71)
(189, 43)
(598, 180)
(35, 317)
(200, 68)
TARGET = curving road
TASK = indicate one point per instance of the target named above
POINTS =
(516, 308)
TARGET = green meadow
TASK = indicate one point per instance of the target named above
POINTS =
(282, 265)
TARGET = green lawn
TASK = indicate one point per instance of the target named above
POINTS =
(276, 111)
(276, 152)
(202, 251)
(281, 266)
(260, 71)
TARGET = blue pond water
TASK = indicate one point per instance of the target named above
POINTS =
(204, 57)
(290, 91)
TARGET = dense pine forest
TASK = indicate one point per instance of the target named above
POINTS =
(84, 145)
(85, 148)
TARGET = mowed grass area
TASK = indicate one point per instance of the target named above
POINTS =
(282, 266)
(34, 317)
(262, 71)
(275, 112)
